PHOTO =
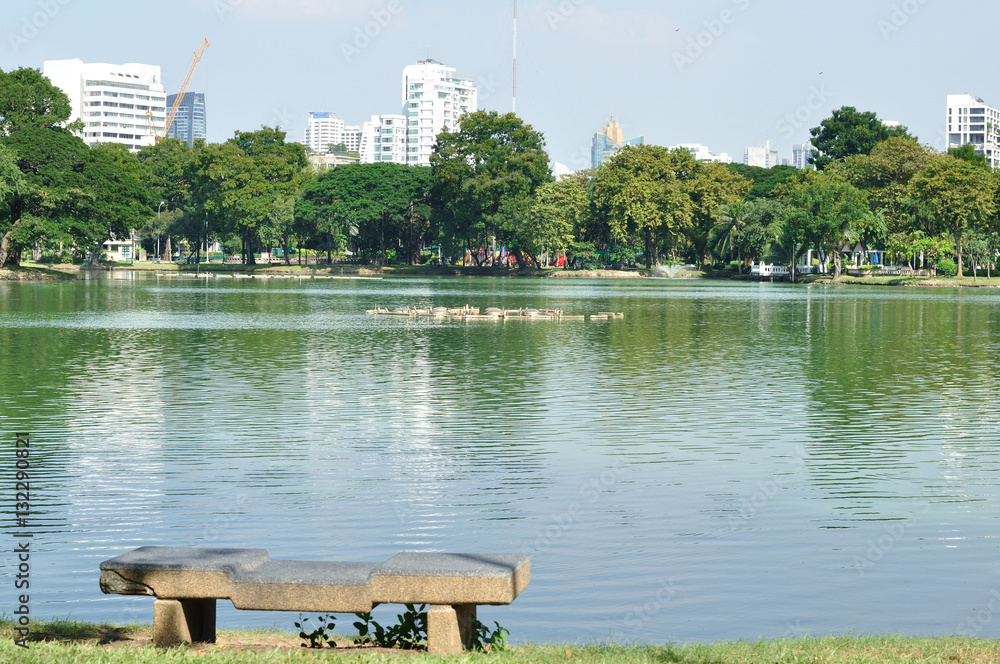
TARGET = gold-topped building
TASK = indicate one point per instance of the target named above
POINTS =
(610, 140)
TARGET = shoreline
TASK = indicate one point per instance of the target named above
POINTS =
(37, 272)
(86, 643)
(33, 273)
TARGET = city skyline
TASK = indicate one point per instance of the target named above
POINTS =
(727, 74)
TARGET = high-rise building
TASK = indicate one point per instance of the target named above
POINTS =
(112, 100)
(435, 97)
(703, 154)
(190, 123)
(801, 154)
(323, 130)
(384, 140)
(351, 138)
(972, 122)
(762, 155)
(610, 140)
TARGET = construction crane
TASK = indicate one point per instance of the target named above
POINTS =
(180, 96)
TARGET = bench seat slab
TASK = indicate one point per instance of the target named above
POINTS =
(186, 583)
(450, 578)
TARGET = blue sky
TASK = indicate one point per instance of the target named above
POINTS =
(726, 73)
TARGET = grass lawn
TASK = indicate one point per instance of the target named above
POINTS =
(82, 643)
(32, 273)
(945, 282)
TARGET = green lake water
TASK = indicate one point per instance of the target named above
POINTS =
(727, 461)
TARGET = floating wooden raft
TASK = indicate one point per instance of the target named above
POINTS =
(468, 312)
(491, 313)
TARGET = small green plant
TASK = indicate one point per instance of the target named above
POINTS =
(409, 633)
(369, 631)
(946, 267)
(620, 256)
(411, 630)
(488, 640)
(320, 635)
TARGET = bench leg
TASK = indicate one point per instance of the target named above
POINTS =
(450, 628)
(183, 620)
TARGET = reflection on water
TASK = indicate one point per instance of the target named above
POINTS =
(728, 461)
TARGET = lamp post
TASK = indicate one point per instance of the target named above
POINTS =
(158, 208)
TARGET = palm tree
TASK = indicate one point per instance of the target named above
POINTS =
(733, 218)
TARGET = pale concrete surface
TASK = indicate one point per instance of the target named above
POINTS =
(186, 620)
(187, 581)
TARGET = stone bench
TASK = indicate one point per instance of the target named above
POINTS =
(187, 582)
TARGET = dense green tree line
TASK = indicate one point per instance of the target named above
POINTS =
(489, 187)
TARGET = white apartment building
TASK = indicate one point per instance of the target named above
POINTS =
(113, 101)
(801, 154)
(972, 121)
(761, 155)
(435, 97)
(323, 130)
(351, 138)
(383, 139)
(703, 154)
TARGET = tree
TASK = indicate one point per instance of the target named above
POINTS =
(119, 201)
(710, 186)
(968, 153)
(237, 184)
(824, 211)
(559, 212)
(11, 183)
(850, 132)
(641, 197)
(993, 251)
(384, 207)
(50, 161)
(485, 176)
(763, 180)
(977, 247)
(70, 191)
(158, 225)
(31, 110)
(884, 175)
(168, 181)
(270, 142)
(747, 229)
(957, 196)
(280, 225)
(29, 100)
(370, 203)
(324, 209)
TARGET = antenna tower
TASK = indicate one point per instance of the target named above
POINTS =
(515, 57)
